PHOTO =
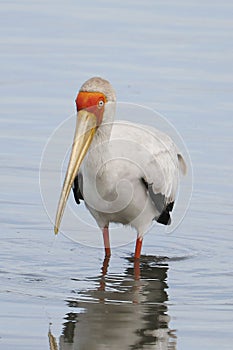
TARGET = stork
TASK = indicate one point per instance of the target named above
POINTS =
(125, 172)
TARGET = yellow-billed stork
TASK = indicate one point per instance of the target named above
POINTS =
(126, 173)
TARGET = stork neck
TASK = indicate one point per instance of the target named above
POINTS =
(99, 147)
(103, 133)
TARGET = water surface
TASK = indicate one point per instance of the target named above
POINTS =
(175, 57)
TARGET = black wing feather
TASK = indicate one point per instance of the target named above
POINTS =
(160, 202)
(78, 188)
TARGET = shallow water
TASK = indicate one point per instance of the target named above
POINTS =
(175, 57)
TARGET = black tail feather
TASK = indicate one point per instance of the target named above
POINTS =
(165, 217)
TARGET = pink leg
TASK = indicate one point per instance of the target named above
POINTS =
(137, 269)
(106, 242)
(138, 248)
(104, 273)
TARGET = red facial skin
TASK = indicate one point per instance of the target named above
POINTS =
(90, 101)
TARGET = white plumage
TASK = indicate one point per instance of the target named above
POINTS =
(112, 172)
(129, 173)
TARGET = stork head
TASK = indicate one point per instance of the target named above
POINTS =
(94, 98)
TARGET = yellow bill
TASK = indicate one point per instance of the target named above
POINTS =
(85, 130)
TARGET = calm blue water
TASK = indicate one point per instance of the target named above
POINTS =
(175, 57)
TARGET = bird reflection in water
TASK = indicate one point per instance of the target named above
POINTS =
(127, 311)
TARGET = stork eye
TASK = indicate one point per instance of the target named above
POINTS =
(100, 103)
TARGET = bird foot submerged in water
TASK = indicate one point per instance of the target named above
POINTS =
(150, 259)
